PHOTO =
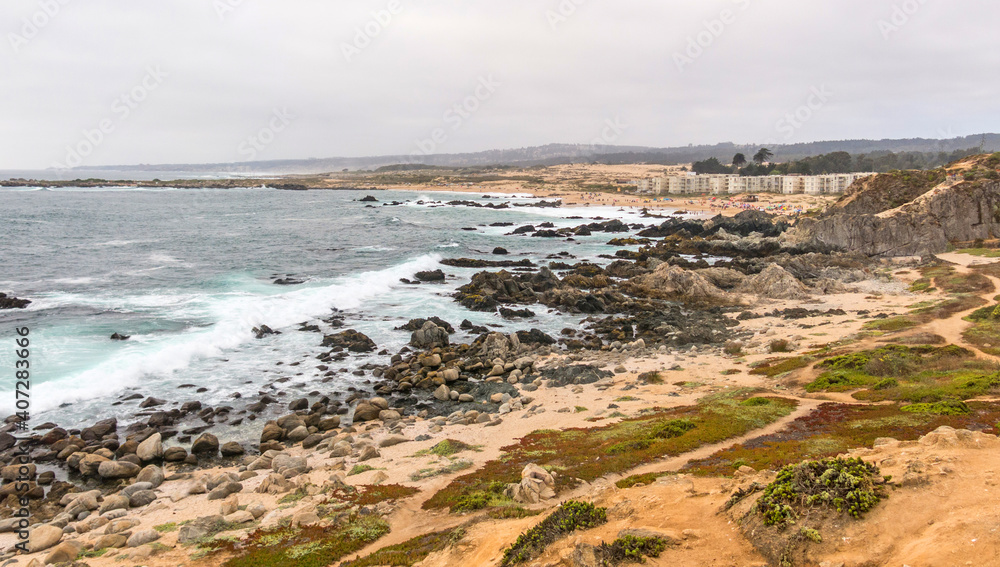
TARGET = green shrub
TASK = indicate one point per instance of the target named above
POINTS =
(630, 549)
(569, 517)
(947, 407)
(847, 485)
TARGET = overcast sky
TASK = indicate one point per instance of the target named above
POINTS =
(101, 82)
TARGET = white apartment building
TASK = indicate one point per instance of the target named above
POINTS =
(693, 184)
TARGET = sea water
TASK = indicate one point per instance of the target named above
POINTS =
(189, 273)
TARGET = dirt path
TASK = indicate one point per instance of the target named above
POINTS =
(953, 327)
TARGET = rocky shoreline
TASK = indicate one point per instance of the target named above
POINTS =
(698, 292)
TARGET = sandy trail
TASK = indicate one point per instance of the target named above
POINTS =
(953, 327)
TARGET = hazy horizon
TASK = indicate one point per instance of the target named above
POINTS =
(109, 83)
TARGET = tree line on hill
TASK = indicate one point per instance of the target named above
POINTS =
(835, 162)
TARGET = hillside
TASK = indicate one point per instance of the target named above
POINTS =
(912, 213)
(554, 154)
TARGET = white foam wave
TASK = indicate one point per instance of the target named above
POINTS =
(235, 316)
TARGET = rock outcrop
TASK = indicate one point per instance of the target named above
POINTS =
(962, 211)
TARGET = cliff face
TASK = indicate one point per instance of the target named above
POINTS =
(962, 212)
(930, 219)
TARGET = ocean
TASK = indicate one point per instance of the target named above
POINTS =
(189, 273)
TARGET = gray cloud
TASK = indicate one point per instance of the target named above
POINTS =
(903, 68)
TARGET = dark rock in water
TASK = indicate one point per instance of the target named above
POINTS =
(749, 222)
(541, 204)
(368, 199)
(470, 263)
(434, 276)
(300, 404)
(502, 224)
(232, 449)
(350, 340)
(514, 314)
(205, 444)
(546, 234)
(152, 402)
(469, 229)
(11, 302)
(288, 281)
(524, 229)
(535, 337)
(263, 331)
(99, 429)
(417, 324)
(498, 251)
(576, 374)
(474, 329)
(120, 337)
(488, 289)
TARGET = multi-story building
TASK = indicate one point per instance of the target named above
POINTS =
(693, 184)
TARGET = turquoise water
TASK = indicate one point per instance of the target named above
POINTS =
(188, 274)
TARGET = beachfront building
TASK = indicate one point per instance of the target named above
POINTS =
(693, 184)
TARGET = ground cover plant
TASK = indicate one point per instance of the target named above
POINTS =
(410, 552)
(569, 517)
(917, 374)
(985, 330)
(588, 454)
(775, 366)
(834, 428)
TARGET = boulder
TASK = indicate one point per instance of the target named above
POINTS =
(198, 529)
(142, 498)
(11, 302)
(43, 537)
(442, 393)
(229, 505)
(112, 470)
(272, 432)
(773, 283)
(151, 449)
(366, 412)
(676, 283)
(142, 538)
(240, 517)
(65, 552)
(431, 276)
(350, 340)
(329, 423)
(205, 444)
(112, 541)
(90, 464)
(224, 490)
(536, 485)
(232, 449)
(174, 454)
(298, 434)
(429, 336)
(368, 453)
(114, 502)
(151, 474)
